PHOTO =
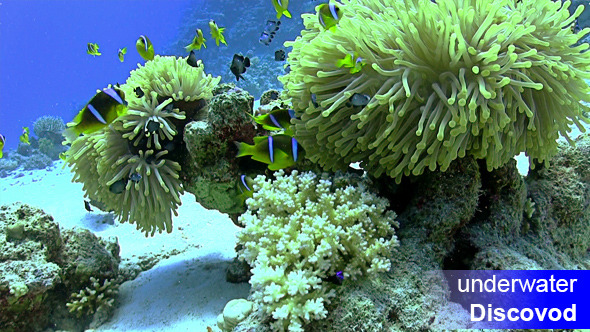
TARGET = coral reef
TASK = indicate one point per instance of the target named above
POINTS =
(132, 166)
(49, 127)
(504, 81)
(211, 170)
(302, 231)
(40, 266)
(234, 312)
(94, 298)
(464, 218)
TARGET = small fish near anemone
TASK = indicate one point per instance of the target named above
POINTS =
(92, 49)
(280, 55)
(277, 119)
(192, 60)
(329, 14)
(281, 8)
(278, 151)
(107, 105)
(245, 188)
(352, 61)
(198, 41)
(145, 48)
(217, 33)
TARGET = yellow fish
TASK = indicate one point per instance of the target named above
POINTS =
(25, 136)
(278, 151)
(145, 48)
(329, 15)
(92, 49)
(101, 110)
(352, 61)
(217, 33)
(121, 53)
(281, 8)
(197, 42)
(2, 140)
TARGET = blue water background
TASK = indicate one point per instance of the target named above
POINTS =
(45, 70)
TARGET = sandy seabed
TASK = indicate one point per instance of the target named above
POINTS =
(184, 292)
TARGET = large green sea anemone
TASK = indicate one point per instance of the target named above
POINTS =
(131, 166)
(488, 78)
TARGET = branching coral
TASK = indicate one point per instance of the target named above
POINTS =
(302, 230)
(90, 299)
(131, 165)
(446, 79)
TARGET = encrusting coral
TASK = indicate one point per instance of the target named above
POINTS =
(132, 165)
(303, 230)
(445, 79)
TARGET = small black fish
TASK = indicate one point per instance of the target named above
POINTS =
(152, 126)
(280, 55)
(336, 279)
(192, 60)
(87, 206)
(168, 108)
(358, 100)
(118, 187)
(135, 177)
(238, 65)
(138, 92)
(314, 100)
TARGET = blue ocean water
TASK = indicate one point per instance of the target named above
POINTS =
(45, 70)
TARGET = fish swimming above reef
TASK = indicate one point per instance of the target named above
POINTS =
(107, 105)
(358, 100)
(87, 206)
(192, 60)
(269, 32)
(278, 151)
(277, 119)
(24, 137)
(121, 53)
(329, 14)
(198, 41)
(217, 33)
(272, 26)
(238, 65)
(280, 55)
(145, 48)
(92, 49)
(266, 38)
(352, 61)
(2, 141)
(281, 8)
